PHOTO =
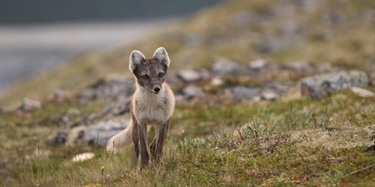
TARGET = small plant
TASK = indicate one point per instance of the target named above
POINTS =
(260, 127)
(296, 120)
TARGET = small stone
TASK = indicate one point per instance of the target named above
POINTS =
(223, 67)
(257, 98)
(217, 82)
(371, 148)
(189, 76)
(362, 92)
(243, 93)
(60, 138)
(269, 95)
(82, 157)
(191, 92)
(29, 105)
(59, 95)
(299, 66)
(258, 64)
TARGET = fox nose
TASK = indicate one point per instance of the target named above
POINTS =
(157, 89)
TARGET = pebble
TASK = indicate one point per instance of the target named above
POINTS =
(362, 92)
(29, 105)
(191, 92)
(224, 67)
(269, 95)
(243, 93)
(257, 64)
(189, 76)
(83, 156)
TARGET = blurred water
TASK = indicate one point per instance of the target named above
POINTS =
(28, 50)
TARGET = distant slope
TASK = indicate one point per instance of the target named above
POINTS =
(338, 32)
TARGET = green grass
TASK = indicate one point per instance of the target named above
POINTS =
(205, 148)
(292, 141)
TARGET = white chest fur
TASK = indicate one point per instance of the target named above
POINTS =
(150, 108)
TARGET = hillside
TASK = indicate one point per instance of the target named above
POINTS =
(247, 113)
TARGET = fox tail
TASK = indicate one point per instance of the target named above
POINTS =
(122, 140)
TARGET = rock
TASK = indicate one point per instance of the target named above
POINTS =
(59, 95)
(322, 85)
(75, 134)
(269, 95)
(29, 105)
(191, 92)
(243, 93)
(60, 138)
(82, 157)
(257, 64)
(326, 67)
(99, 133)
(362, 92)
(112, 88)
(217, 82)
(189, 75)
(299, 66)
(371, 148)
(223, 68)
(278, 88)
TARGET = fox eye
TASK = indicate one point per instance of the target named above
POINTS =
(161, 75)
(144, 77)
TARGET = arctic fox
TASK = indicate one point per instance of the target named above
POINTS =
(153, 103)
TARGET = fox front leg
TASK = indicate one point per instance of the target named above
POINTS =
(135, 137)
(143, 142)
(157, 145)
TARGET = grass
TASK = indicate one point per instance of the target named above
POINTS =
(292, 141)
(205, 147)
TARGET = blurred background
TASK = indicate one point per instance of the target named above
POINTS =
(40, 35)
(96, 38)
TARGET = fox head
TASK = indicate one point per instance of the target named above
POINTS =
(150, 73)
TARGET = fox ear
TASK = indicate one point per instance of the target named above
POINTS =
(162, 55)
(136, 58)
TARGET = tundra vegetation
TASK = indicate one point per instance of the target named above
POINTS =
(244, 125)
